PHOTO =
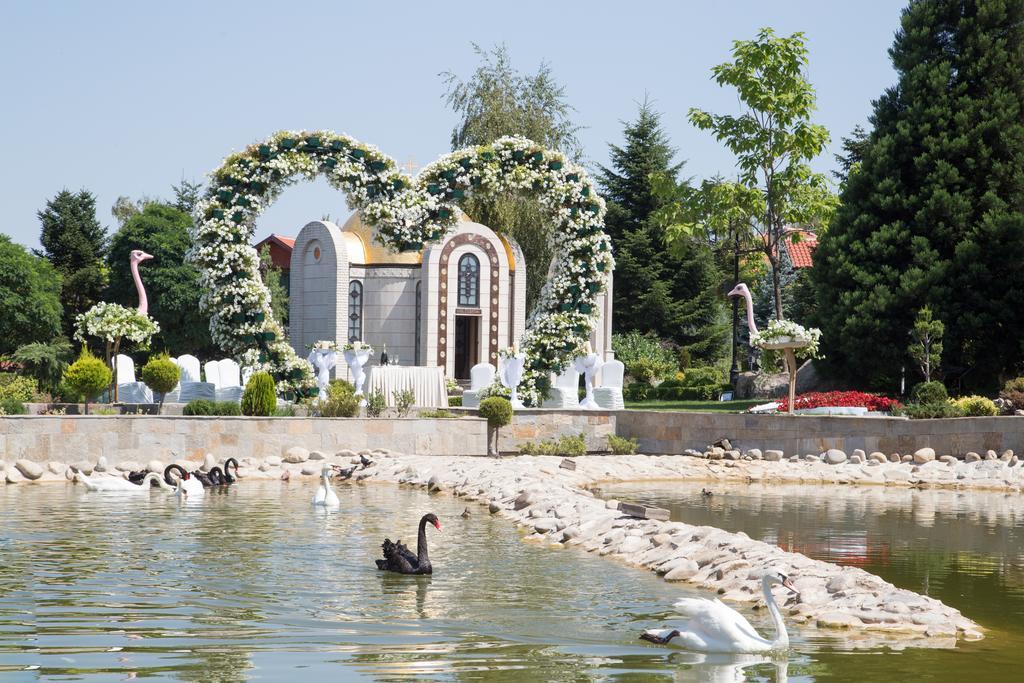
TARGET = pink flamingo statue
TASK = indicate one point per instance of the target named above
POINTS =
(137, 257)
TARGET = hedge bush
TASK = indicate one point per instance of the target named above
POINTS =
(619, 445)
(702, 377)
(929, 393)
(206, 407)
(497, 411)
(260, 396)
(16, 387)
(568, 446)
(454, 401)
(976, 406)
(341, 400)
(11, 406)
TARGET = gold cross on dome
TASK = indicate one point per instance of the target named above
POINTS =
(409, 166)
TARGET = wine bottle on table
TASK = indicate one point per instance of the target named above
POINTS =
(384, 355)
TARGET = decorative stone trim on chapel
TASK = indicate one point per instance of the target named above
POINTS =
(442, 312)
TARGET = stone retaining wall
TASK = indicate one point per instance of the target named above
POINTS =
(76, 438)
(673, 432)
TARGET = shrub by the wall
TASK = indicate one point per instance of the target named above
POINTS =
(341, 400)
(88, 376)
(260, 395)
(16, 387)
(976, 406)
(161, 375)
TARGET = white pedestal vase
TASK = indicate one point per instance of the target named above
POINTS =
(323, 361)
(355, 361)
(511, 375)
(589, 366)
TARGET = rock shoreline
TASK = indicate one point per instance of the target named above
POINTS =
(555, 505)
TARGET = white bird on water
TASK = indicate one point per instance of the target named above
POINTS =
(325, 494)
(715, 627)
(112, 484)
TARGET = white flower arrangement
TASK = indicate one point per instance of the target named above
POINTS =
(508, 352)
(324, 345)
(358, 346)
(407, 213)
(780, 331)
(111, 322)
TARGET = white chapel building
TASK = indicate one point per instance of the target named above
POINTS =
(453, 304)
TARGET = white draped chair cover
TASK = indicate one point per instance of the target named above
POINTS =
(128, 389)
(564, 392)
(481, 375)
(192, 386)
(609, 394)
(229, 385)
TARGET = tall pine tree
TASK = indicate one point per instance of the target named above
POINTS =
(934, 213)
(75, 243)
(673, 294)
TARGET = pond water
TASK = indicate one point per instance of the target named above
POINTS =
(256, 583)
(963, 548)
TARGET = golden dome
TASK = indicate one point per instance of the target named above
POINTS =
(376, 254)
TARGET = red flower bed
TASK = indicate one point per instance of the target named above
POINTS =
(841, 399)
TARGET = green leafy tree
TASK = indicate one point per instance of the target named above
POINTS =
(934, 213)
(926, 347)
(75, 243)
(499, 100)
(45, 361)
(88, 376)
(186, 195)
(671, 293)
(274, 280)
(773, 140)
(30, 291)
(172, 285)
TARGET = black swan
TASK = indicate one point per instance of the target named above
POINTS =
(228, 477)
(398, 558)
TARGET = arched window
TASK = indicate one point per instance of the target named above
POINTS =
(355, 311)
(469, 280)
(419, 319)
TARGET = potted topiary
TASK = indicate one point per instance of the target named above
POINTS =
(88, 376)
(260, 396)
(498, 412)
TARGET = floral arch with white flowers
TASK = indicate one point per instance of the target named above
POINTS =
(407, 213)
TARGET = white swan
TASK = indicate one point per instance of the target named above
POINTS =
(714, 627)
(190, 486)
(325, 494)
(112, 484)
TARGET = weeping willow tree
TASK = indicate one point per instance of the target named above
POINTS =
(498, 100)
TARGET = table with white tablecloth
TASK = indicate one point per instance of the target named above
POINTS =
(426, 383)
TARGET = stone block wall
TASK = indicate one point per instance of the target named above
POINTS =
(535, 425)
(141, 438)
(673, 432)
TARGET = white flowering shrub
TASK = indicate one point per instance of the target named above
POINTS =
(111, 322)
(407, 213)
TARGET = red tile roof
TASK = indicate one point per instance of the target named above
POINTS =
(801, 252)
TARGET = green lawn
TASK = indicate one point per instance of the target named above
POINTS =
(695, 406)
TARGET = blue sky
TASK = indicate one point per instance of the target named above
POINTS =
(126, 98)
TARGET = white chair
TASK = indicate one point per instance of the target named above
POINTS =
(229, 387)
(565, 391)
(609, 394)
(129, 390)
(480, 376)
(192, 386)
(211, 373)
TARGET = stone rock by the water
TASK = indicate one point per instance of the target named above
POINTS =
(732, 455)
(29, 469)
(525, 499)
(128, 466)
(838, 620)
(156, 466)
(1007, 455)
(878, 456)
(434, 484)
(895, 457)
(101, 464)
(907, 458)
(991, 455)
(773, 456)
(310, 469)
(972, 457)
(755, 453)
(715, 453)
(494, 506)
(948, 459)
(612, 504)
(856, 459)
(273, 461)
(693, 453)
(683, 571)
(923, 455)
(316, 455)
(57, 468)
(834, 456)
(85, 467)
(860, 453)
(296, 454)
(346, 453)
(209, 462)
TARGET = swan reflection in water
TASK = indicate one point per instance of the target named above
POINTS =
(724, 668)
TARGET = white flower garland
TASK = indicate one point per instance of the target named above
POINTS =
(407, 214)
